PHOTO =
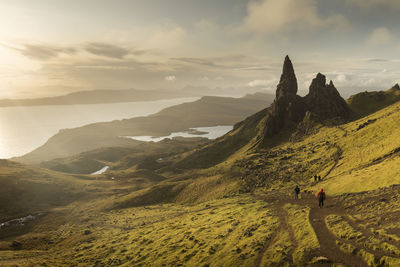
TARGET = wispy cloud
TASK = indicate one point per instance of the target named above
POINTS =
(233, 62)
(262, 83)
(197, 61)
(42, 52)
(107, 50)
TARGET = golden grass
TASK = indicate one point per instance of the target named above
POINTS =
(226, 232)
(303, 232)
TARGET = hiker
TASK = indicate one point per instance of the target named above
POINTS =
(296, 192)
(321, 197)
(319, 178)
(315, 178)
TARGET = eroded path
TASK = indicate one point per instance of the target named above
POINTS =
(327, 240)
(343, 240)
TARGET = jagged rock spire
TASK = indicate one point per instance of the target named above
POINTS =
(288, 110)
(288, 82)
(324, 99)
(396, 86)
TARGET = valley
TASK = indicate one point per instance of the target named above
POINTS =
(223, 202)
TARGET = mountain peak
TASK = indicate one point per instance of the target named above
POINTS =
(396, 86)
(324, 99)
(318, 82)
(288, 82)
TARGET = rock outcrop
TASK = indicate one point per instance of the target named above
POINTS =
(288, 109)
(325, 101)
(288, 82)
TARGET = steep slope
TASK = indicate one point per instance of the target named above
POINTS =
(353, 157)
(207, 111)
(369, 154)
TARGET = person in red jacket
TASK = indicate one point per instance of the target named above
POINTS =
(321, 197)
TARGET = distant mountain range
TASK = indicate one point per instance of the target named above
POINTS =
(120, 96)
(96, 97)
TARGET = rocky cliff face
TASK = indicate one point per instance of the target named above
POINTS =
(288, 82)
(325, 101)
(288, 109)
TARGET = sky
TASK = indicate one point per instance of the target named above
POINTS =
(53, 47)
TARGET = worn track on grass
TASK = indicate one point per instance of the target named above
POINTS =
(327, 240)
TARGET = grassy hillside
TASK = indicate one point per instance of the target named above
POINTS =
(246, 230)
(219, 150)
(27, 190)
(353, 157)
(366, 103)
(230, 203)
(208, 111)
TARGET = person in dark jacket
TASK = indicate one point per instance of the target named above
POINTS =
(296, 192)
(321, 197)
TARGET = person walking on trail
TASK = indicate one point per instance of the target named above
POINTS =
(315, 178)
(321, 197)
(319, 178)
(296, 192)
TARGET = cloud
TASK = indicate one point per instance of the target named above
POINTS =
(271, 16)
(355, 80)
(233, 62)
(197, 61)
(263, 83)
(43, 52)
(379, 36)
(377, 60)
(257, 67)
(170, 78)
(257, 83)
(107, 50)
(368, 4)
